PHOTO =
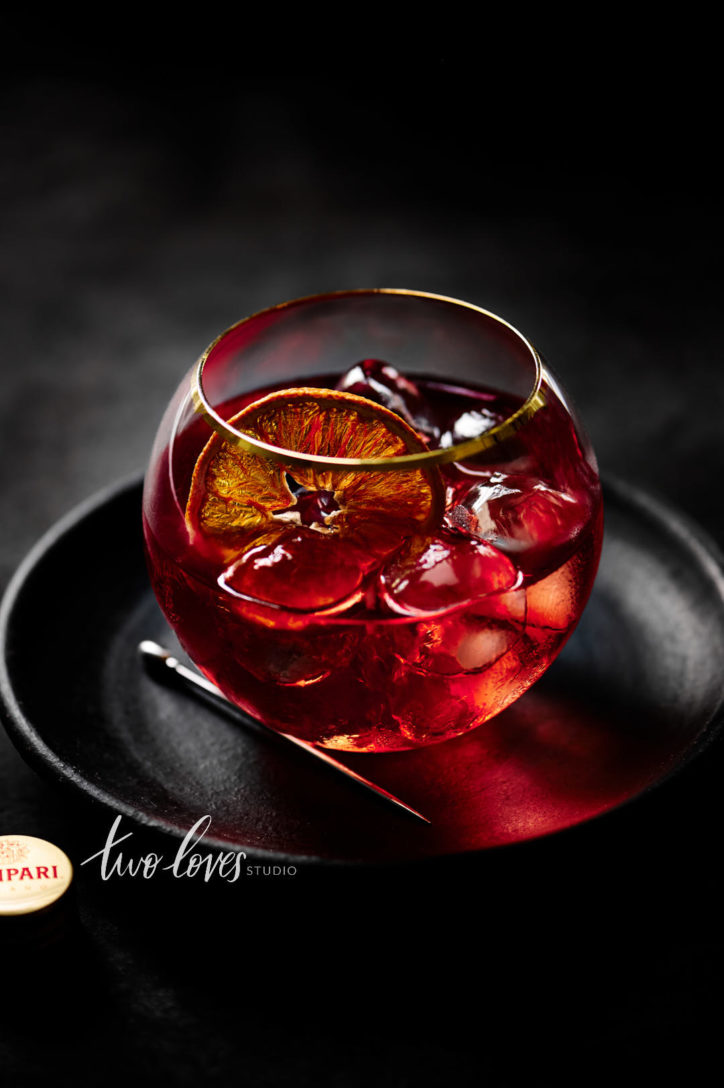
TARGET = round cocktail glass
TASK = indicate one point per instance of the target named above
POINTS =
(372, 517)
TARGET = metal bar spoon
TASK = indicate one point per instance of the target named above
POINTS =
(152, 652)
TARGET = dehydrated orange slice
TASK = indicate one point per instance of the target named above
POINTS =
(247, 509)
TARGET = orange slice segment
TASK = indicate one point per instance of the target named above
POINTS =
(240, 500)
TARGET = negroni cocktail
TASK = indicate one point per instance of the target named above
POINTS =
(371, 559)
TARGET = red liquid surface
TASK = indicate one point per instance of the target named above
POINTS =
(430, 639)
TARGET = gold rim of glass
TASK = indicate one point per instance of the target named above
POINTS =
(460, 452)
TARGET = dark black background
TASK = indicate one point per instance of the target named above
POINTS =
(152, 196)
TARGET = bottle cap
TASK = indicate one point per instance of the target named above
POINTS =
(34, 874)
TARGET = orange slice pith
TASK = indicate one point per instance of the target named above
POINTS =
(240, 500)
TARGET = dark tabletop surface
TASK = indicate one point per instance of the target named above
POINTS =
(144, 212)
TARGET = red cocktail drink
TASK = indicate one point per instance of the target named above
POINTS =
(367, 559)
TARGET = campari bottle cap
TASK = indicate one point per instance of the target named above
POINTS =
(34, 875)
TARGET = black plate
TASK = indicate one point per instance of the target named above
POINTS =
(635, 693)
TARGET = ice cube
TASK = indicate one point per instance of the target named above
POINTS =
(381, 383)
(520, 515)
(443, 571)
(430, 706)
(464, 642)
(300, 569)
(554, 602)
(469, 424)
(258, 643)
